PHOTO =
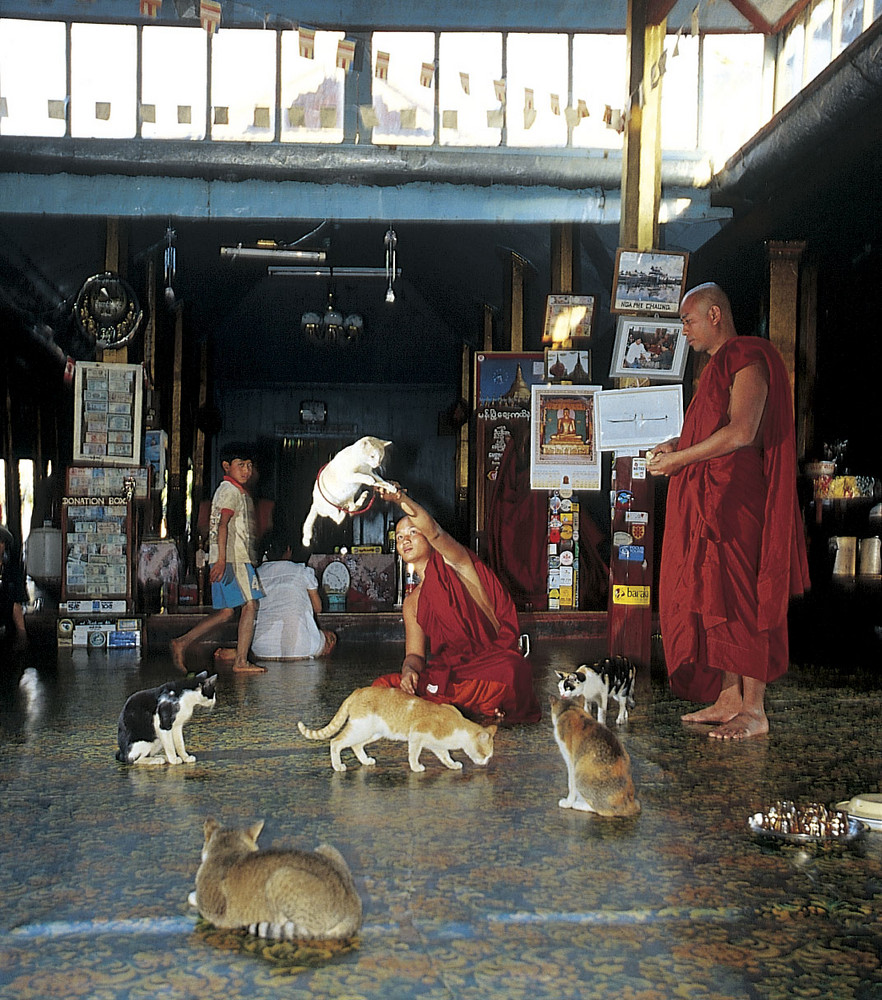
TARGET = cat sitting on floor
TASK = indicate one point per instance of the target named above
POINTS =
(612, 677)
(374, 713)
(289, 894)
(336, 485)
(598, 766)
(152, 721)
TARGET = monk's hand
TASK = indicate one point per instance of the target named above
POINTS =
(664, 464)
(409, 678)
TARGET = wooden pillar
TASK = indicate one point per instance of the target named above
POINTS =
(641, 161)
(488, 328)
(629, 608)
(115, 257)
(784, 257)
(175, 502)
(199, 442)
(516, 313)
(807, 369)
(562, 251)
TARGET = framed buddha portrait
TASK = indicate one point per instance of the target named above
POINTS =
(564, 449)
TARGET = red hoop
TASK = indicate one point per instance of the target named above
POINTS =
(345, 510)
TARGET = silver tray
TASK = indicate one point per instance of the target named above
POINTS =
(855, 829)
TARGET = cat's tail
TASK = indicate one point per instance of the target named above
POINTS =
(334, 726)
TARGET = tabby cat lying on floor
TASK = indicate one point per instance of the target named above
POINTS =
(152, 721)
(305, 895)
(341, 479)
(598, 766)
(612, 677)
(375, 713)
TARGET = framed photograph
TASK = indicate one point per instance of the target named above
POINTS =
(564, 450)
(568, 318)
(649, 348)
(629, 419)
(649, 281)
(567, 366)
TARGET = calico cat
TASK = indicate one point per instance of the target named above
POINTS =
(152, 721)
(612, 677)
(598, 766)
(336, 485)
(297, 895)
(374, 713)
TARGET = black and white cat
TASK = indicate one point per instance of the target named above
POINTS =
(152, 721)
(339, 483)
(612, 677)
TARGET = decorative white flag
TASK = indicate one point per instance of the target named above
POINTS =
(306, 41)
(555, 104)
(210, 15)
(427, 73)
(499, 88)
(345, 54)
(381, 67)
(464, 80)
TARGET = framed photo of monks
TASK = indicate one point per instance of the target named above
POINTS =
(650, 348)
(564, 451)
(569, 319)
(649, 281)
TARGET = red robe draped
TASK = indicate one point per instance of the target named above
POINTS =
(471, 665)
(733, 551)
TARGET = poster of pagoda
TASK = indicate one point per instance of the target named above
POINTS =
(503, 383)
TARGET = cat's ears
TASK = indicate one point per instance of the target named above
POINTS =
(561, 674)
(209, 828)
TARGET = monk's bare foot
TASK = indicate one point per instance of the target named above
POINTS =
(248, 668)
(177, 652)
(742, 726)
(725, 708)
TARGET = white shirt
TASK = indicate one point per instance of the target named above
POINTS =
(286, 628)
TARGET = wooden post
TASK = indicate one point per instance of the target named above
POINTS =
(175, 505)
(784, 259)
(562, 250)
(629, 612)
(629, 609)
(115, 254)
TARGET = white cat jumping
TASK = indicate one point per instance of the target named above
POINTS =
(339, 482)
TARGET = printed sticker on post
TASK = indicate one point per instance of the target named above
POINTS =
(625, 594)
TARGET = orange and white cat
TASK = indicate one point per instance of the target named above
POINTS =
(598, 766)
(278, 893)
(376, 713)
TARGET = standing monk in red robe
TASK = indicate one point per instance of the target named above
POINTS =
(461, 613)
(734, 550)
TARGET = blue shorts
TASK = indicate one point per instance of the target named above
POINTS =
(239, 585)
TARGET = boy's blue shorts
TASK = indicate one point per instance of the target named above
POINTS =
(231, 592)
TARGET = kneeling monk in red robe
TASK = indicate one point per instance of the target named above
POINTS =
(462, 614)
(733, 551)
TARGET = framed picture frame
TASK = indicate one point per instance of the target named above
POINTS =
(568, 318)
(564, 451)
(649, 347)
(632, 419)
(569, 365)
(648, 281)
(107, 413)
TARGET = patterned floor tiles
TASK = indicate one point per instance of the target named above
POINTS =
(475, 884)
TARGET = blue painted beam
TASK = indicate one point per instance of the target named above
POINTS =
(64, 194)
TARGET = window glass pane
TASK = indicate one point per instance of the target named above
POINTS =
(173, 102)
(469, 62)
(312, 88)
(103, 80)
(680, 94)
(877, 9)
(600, 78)
(732, 93)
(404, 107)
(819, 47)
(852, 22)
(243, 85)
(789, 80)
(32, 73)
(537, 63)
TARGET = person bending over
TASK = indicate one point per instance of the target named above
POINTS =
(461, 627)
